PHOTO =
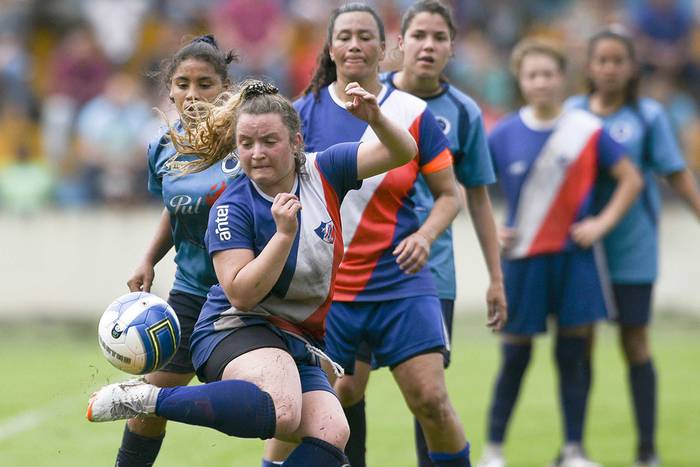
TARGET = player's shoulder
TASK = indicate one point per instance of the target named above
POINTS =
(579, 101)
(237, 192)
(650, 108)
(404, 100)
(462, 100)
(507, 123)
(160, 148)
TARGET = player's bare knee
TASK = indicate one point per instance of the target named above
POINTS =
(431, 405)
(288, 419)
(349, 393)
(148, 426)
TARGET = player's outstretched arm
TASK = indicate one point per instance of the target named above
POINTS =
(161, 243)
(629, 184)
(395, 147)
(685, 185)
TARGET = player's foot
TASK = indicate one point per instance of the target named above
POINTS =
(648, 461)
(573, 456)
(492, 457)
(121, 401)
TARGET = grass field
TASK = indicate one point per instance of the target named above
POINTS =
(50, 370)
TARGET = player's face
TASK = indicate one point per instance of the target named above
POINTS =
(426, 45)
(541, 80)
(265, 151)
(356, 47)
(194, 80)
(610, 66)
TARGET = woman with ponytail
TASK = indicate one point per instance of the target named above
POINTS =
(260, 337)
(195, 73)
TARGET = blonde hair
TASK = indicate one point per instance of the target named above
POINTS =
(537, 45)
(209, 129)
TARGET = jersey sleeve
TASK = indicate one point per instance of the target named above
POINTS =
(609, 151)
(475, 168)
(338, 164)
(230, 226)
(433, 147)
(664, 155)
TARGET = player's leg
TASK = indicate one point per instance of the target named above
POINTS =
(527, 292)
(634, 314)
(143, 436)
(580, 303)
(422, 382)
(421, 446)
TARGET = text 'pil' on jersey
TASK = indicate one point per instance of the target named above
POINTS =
(241, 219)
(381, 214)
(548, 174)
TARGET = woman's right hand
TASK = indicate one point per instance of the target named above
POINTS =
(284, 211)
(507, 237)
(142, 278)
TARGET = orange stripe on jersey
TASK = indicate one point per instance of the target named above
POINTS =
(442, 161)
(375, 232)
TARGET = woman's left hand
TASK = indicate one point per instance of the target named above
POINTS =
(363, 104)
(412, 253)
(497, 306)
(588, 231)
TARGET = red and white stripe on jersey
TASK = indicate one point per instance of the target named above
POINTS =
(559, 181)
(370, 215)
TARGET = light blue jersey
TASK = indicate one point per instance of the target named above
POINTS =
(646, 133)
(461, 121)
(188, 198)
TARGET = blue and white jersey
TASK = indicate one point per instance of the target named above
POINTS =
(188, 199)
(461, 122)
(241, 219)
(381, 214)
(646, 133)
(548, 173)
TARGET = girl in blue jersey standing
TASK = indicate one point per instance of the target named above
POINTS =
(631, 248)
(548, 160)
(196, 72)
(258, 340)
(426, 40)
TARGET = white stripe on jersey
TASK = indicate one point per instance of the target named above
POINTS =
(571, 134)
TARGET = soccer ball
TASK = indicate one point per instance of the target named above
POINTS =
(139, 333)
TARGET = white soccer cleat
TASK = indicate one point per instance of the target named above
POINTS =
(653, 461)
(573, 457)
(492, 457)
(120, 401)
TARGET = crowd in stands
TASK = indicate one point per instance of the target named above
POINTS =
(78, 78)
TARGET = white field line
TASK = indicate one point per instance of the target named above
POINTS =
(22, 422)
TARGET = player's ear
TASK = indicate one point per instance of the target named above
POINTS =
(400, 40)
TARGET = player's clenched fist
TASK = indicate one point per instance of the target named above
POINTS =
(284, 211)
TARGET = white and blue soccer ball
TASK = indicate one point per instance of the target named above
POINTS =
(139, 333)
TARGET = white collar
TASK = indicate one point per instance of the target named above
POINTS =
(527, 115)
(271, 198)
(336, 99)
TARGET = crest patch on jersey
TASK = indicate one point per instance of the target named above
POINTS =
(326, 232)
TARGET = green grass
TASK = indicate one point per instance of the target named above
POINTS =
(50, 371)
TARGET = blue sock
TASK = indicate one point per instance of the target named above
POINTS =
(574, 383)
(356, 447)
(421, 446)
(314, 452)
(457, 459)
(643, 385)
(237, 408)
(137, 450)
(516, 358)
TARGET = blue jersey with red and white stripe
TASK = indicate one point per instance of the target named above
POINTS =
(548, 172)
(381, 214)
(241, 219)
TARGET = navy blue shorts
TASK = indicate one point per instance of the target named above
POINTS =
(187, 308)
(566, 285)
(632, 304)
(395, 330)
(364, 351)
(245, 339)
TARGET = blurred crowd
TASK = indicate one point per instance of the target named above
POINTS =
(77, 90)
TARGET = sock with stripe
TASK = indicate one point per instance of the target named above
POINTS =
(457, 459)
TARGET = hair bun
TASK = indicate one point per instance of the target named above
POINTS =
(208, 38)
(258, 88)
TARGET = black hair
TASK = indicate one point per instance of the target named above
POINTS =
(429, 6)
(616, 34)
(325, 72)
(204, 48)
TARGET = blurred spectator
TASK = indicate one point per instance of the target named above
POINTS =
(25, 184)
(112, 131)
